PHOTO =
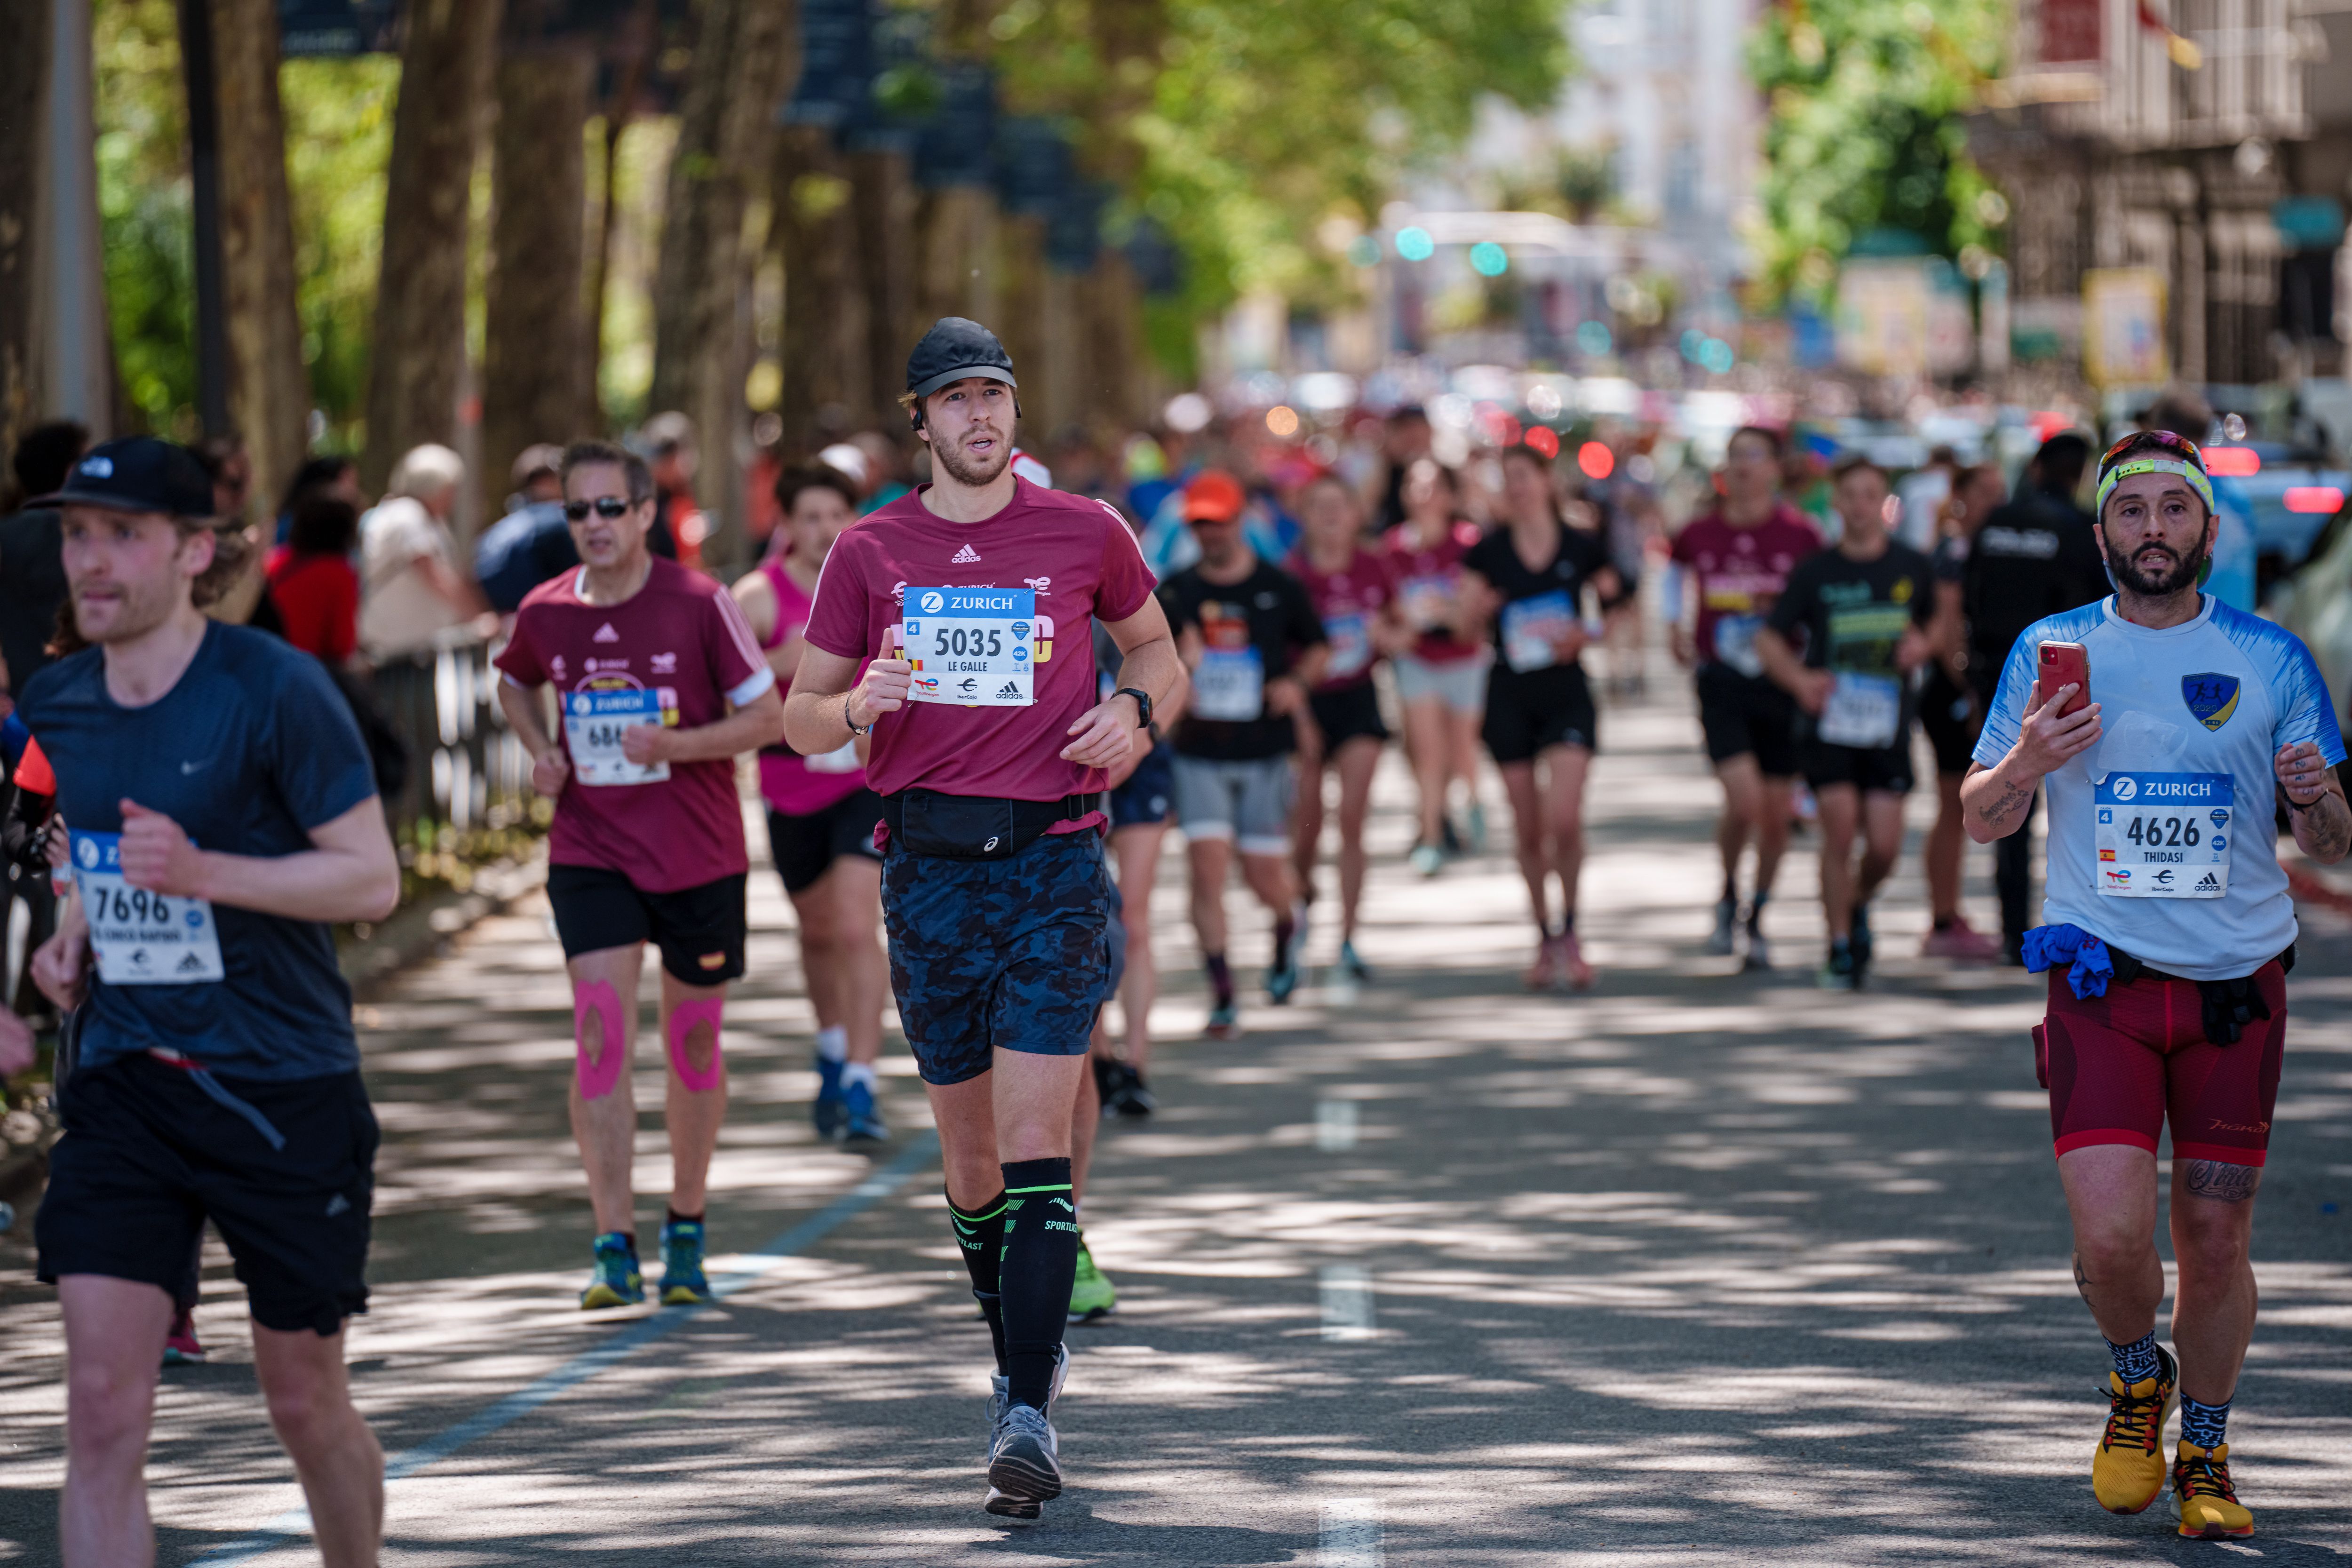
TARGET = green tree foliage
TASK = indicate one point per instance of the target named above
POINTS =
(338, 144)
(1242, 125)
(1863, 131)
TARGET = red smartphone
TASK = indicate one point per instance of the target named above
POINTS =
(2067, 664)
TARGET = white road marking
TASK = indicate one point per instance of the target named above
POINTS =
(1346, 1302)
(1350, 1535)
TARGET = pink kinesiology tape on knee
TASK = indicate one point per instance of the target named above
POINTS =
(682, 1020)
(599, 1076)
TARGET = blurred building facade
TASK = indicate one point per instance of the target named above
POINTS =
(2206, 142)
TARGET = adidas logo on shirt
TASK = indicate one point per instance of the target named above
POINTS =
(605, 634)
(964, 557)
(1010, 689)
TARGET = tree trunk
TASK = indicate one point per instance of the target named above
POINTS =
(1114, 316)
(534, 352)
(1020, 321)
(814, 233)
(24, 110)
(420, 305)
(269, 388)
(740, 55)
(956, 240)
(884, 206)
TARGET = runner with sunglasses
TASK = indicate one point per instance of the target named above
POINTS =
(2169, 934)
(660, 686)
(1527, 578)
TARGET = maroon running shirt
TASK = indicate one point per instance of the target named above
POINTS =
(683, 638)
(1741, 572)
(1078, 557)
(1349, 602)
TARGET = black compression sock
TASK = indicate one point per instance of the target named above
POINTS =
(979, 1237)
(1567, 923)
(678, 1218)
(1283, 932)
(1040, 1261)
(1221, 976)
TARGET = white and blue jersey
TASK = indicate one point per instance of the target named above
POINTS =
(2191, 717)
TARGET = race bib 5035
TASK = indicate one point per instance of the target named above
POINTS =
(976, 647)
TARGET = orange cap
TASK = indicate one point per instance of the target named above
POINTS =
(1214, 496)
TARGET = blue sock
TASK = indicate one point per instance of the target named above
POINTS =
(2136, 1362)
(2207, 1425)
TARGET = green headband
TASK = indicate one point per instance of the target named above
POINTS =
(2195, 474)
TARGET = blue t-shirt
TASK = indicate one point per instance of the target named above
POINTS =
(2193, 713)
(250, 750)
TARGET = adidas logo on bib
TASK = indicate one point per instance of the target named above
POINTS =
(966, 556)
(1009, 690)
(2208, 884)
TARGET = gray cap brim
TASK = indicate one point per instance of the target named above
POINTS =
(964, 372)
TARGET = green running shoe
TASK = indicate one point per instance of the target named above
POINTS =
(1091, 1296)
(617, 1282)
(683, 1282)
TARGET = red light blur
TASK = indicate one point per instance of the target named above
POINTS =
(2315, 499)
(2232, 462)
(1596, 459)
(1542, 439)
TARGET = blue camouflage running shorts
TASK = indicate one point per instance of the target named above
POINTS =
(984, 953)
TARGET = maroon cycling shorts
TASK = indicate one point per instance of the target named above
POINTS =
(2117, 1066)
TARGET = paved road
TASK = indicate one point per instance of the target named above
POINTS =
(1699, 1267)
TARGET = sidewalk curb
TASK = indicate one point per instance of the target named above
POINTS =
(420, 929)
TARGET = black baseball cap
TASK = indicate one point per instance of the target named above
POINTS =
(954, 349)
(138, 473)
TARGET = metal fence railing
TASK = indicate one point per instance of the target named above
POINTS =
(466, 770)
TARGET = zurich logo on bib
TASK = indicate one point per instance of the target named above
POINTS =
(2211, 698)
(932, 604)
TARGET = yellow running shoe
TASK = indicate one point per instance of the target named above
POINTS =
(2127, 1471)
(2209, 1504)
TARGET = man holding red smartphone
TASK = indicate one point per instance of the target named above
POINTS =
(2169, 933)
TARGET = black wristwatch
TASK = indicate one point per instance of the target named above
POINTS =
(1142, 705)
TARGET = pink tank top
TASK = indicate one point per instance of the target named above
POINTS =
(796, 786)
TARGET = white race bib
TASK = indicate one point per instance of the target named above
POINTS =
(1734, 644)
(1533, 627)
(1427, 602)
(142, 937)
(1230, 685)
(1351, 638)
(973, 647)
(594, 724)
(1864, 711)
(2165, 835)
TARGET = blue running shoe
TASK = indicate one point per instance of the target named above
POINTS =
(828, 1112)
(1352, 966)
(862, 1119)
(617, 1282)
(683, 1282)
(1283, 979)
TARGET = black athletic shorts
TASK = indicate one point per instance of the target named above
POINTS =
(1947, 714)
(1150, 793)
(1884, 771)
(1344, 714)
(698, 930)
(1747, 715)
(805, 848)
(147, 1156)
(1531, 713)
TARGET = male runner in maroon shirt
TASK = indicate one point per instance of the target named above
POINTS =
(976, 598)
(660, 685)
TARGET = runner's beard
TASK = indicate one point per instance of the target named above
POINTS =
(2182, 574)
(137, 610)
(951, 458)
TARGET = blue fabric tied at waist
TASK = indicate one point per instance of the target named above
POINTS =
(2046, 947)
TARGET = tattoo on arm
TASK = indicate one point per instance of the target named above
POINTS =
(2011, 799)
(2223, 1183)
(2324, 827)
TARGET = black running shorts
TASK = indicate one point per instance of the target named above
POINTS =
(1745, 715)
(147, 1156)
(1945, 711)
(1531, 713)
(1345, 714)
(700, 929)
(1880, 770)
(805, 848)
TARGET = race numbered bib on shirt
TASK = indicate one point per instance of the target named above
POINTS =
(2165, 835)
(596, 724)
(1427, 602)
(1864, 711)
(1734, 644)
(1230, 685)
(1532, 629)
(973, 646)
(1350, 640)
(142, 937)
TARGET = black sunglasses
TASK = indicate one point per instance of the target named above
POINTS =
(605, 506)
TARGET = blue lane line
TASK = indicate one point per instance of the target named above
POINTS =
(580, 1368)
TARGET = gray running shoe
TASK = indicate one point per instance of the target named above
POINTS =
(1727, 924)
(1000, 1389)
(1025, 1469)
